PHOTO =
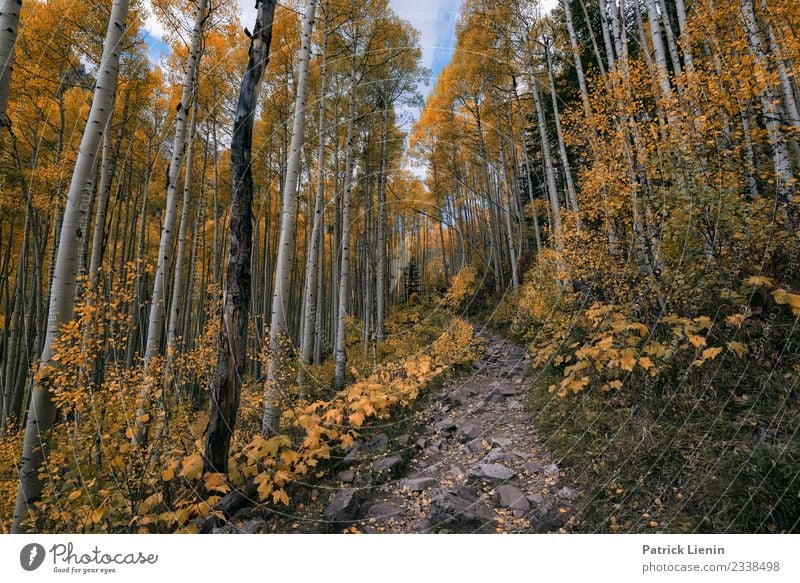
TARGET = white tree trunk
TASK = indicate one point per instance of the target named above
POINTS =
(562, 148)
(340, 353)
(784, 183)
(9, 24)
(552, 190)
(41, 414)
(659, 53)
(177, 285)
(155, 326)
(576, 56)
(278, 337)
(310, 314)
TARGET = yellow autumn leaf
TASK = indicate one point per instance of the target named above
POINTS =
(738, 348)
(645, 363)
(711, 353)
(697, 341)
(628, 360)
(192, 466)
(74, 495)
(759, 280)
(615, 384)
(216, 482)
(356, 419)
(168, 474)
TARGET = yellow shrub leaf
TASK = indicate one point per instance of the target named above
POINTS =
(697, 341)
(711, 353)
(628, 360)
(168, 474)
(738, 348)
(192, 466)
(645, 363)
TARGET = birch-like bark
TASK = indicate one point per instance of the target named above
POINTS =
(9, 25)
(685, 41)
(279, 349)
(785, 181)
(41, 414)
(340, 354)
(381, 275)
(231, 356)
(552, 190)
(562, 148)
(659, 53)
(178, 277)
(158, 300)
(576, 56)
(310, 294)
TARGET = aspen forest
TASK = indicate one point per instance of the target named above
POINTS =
(273, 267)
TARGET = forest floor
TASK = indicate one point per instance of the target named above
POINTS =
(471, 464)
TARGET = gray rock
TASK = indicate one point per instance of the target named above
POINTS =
(343, 506)
(346, 476)
(500, 442)
(353, 456)
(446, 425)
(492, 472)
(514, 457)
(512, 497)
(474, 446)
(568, 493)
(377, 443)
(469, 431)
(227, 528)
(419, 484)
(423, 525)
(432, 450)
(387, 463)
(535, 498)
(533, 468)
(253, 526)
(551, 470)
(460, 510)
(421, 442)
(494, 456)
(457, 472)
(507, 390)
(403, 439)
(383, 510)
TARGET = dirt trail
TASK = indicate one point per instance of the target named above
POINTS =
(474, 465)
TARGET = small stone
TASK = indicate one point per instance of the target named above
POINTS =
(551, 470)
(461, 510)
(533, 468)
(421, 442)
(507, 390)
(492, 472)
(474, 446)
(342, 507)
(346, 476)
(383, 510)
(403, 439)
(469, 431)
(353, 456)
(253, 526)
(568, 493)
(423, 525)
(377, 443)
(419, 484)
(535, 498)
(512, 497)
(446, 425)
(432, 450)
(457, 472)
(500, 442)
(387, 463)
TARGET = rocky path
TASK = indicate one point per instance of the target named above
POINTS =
(473, 465)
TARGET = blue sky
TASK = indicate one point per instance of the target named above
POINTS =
(435, 19)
